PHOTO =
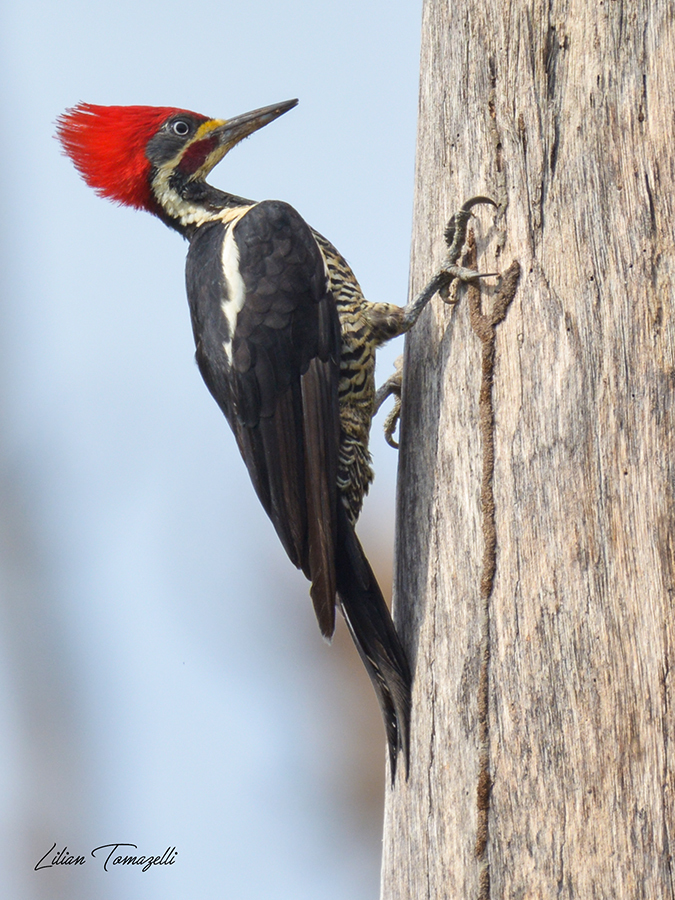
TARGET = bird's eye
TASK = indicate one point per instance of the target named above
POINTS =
(180, 127)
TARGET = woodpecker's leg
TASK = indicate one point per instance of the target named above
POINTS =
(445, 282)
(391, 387)
(455, 236)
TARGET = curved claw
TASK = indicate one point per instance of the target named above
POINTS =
(475, 201)
(462, 216)
(391, 422)
(391, 387)
(467, 274)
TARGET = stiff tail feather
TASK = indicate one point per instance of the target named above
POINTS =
(374, 634)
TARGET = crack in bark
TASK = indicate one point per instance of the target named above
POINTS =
(484, 326)
(432, 743)
(666, 754)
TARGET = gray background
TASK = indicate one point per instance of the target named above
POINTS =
(162, 679)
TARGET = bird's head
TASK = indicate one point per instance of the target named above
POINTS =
(153, 157)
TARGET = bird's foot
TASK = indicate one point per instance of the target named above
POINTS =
(455, 238)
(391, 387)
(450, 275)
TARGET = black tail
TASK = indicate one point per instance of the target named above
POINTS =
(373, 632)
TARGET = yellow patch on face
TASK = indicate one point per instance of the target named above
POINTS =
(206, 127)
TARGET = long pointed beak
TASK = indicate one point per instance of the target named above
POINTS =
(234, 130)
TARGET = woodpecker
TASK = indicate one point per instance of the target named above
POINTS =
(285, 342)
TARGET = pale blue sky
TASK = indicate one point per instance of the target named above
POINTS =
(162, 680)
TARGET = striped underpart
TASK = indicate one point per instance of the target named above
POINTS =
(364, 327)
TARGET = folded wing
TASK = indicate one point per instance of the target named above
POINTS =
(268, 345)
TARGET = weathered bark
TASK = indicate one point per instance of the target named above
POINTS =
(564, 113)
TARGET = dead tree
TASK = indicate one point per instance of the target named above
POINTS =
(536, 511)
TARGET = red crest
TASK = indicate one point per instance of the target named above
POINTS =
(107, 145)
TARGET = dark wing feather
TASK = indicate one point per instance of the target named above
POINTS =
(278, 384)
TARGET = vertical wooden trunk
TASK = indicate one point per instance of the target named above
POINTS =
(563, 113)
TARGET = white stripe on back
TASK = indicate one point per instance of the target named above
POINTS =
(233, 302)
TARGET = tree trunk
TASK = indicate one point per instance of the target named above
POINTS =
(553, 683)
